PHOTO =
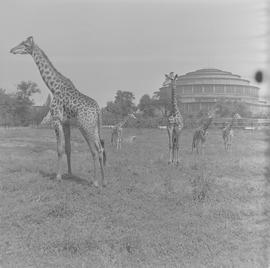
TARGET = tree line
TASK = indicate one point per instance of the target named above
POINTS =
(153, 111)
(18, 109)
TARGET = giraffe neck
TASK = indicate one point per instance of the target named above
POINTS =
(121, 124)
(175, 109)
(207, 123)
(231, 123)
(52, 78)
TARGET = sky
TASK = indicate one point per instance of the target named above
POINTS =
(109, 45)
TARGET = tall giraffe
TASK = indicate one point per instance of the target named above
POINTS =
(117, 131)
(227, 132)
(175, 122)
(200, 133)
(67, 103)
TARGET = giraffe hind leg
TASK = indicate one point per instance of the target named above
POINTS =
(175, 149)
(177, 153)
(91, 141)
(102, 142)
(170, 151)
(60, 147)
(101, 154)
(170, 134)
(66, 128)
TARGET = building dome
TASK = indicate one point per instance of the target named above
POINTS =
(201, 89)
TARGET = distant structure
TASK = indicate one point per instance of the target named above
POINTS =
(201, 89)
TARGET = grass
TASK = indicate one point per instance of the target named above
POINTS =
(210, 211)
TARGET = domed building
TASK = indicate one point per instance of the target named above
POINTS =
(201, 89)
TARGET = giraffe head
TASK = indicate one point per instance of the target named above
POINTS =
(25, 47)
(237, 116)
(170, 79)
(132, 115)
(212, 112)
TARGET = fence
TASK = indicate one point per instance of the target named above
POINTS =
(245, 123)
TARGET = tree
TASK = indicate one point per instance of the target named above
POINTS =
(146, 106)
(228, 107)
(25, 91)
(7, 110)
(23, 101)
(161, 100)
(113, 108)
(123, 103)
(39, 112)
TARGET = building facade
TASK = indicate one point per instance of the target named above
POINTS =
(201, 89)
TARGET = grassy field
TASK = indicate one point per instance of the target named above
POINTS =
(210, 211)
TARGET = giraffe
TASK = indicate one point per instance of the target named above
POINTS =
(175, 122)
(67, 103)
(116, 137)
(227, 132)
(200, 133)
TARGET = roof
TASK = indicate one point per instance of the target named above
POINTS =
(212, 76)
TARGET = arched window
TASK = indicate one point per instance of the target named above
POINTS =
(208, 89)
(239, 91)
(188, 90)
(219, 89)
(197, 89)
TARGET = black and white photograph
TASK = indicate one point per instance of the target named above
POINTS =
(134, 133)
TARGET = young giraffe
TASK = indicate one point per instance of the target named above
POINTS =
(175, 122)
(117, 131)
(227, 132)
(200, 133)
(68, 103)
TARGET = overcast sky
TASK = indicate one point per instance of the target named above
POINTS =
(105, 46)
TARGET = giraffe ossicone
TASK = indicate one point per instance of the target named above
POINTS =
(67, 103)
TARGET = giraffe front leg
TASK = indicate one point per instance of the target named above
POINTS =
(177, 155)
(230, 143)
(112, 139)
(120, 143)
(170, 152)
(60, 147)
(197, 141)
(100, 151)
(225, 144)
(88, 138)
(117, 144)
(66, 127)
(177, 148)
(169, 129)
(95, 170)
(203, 147)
